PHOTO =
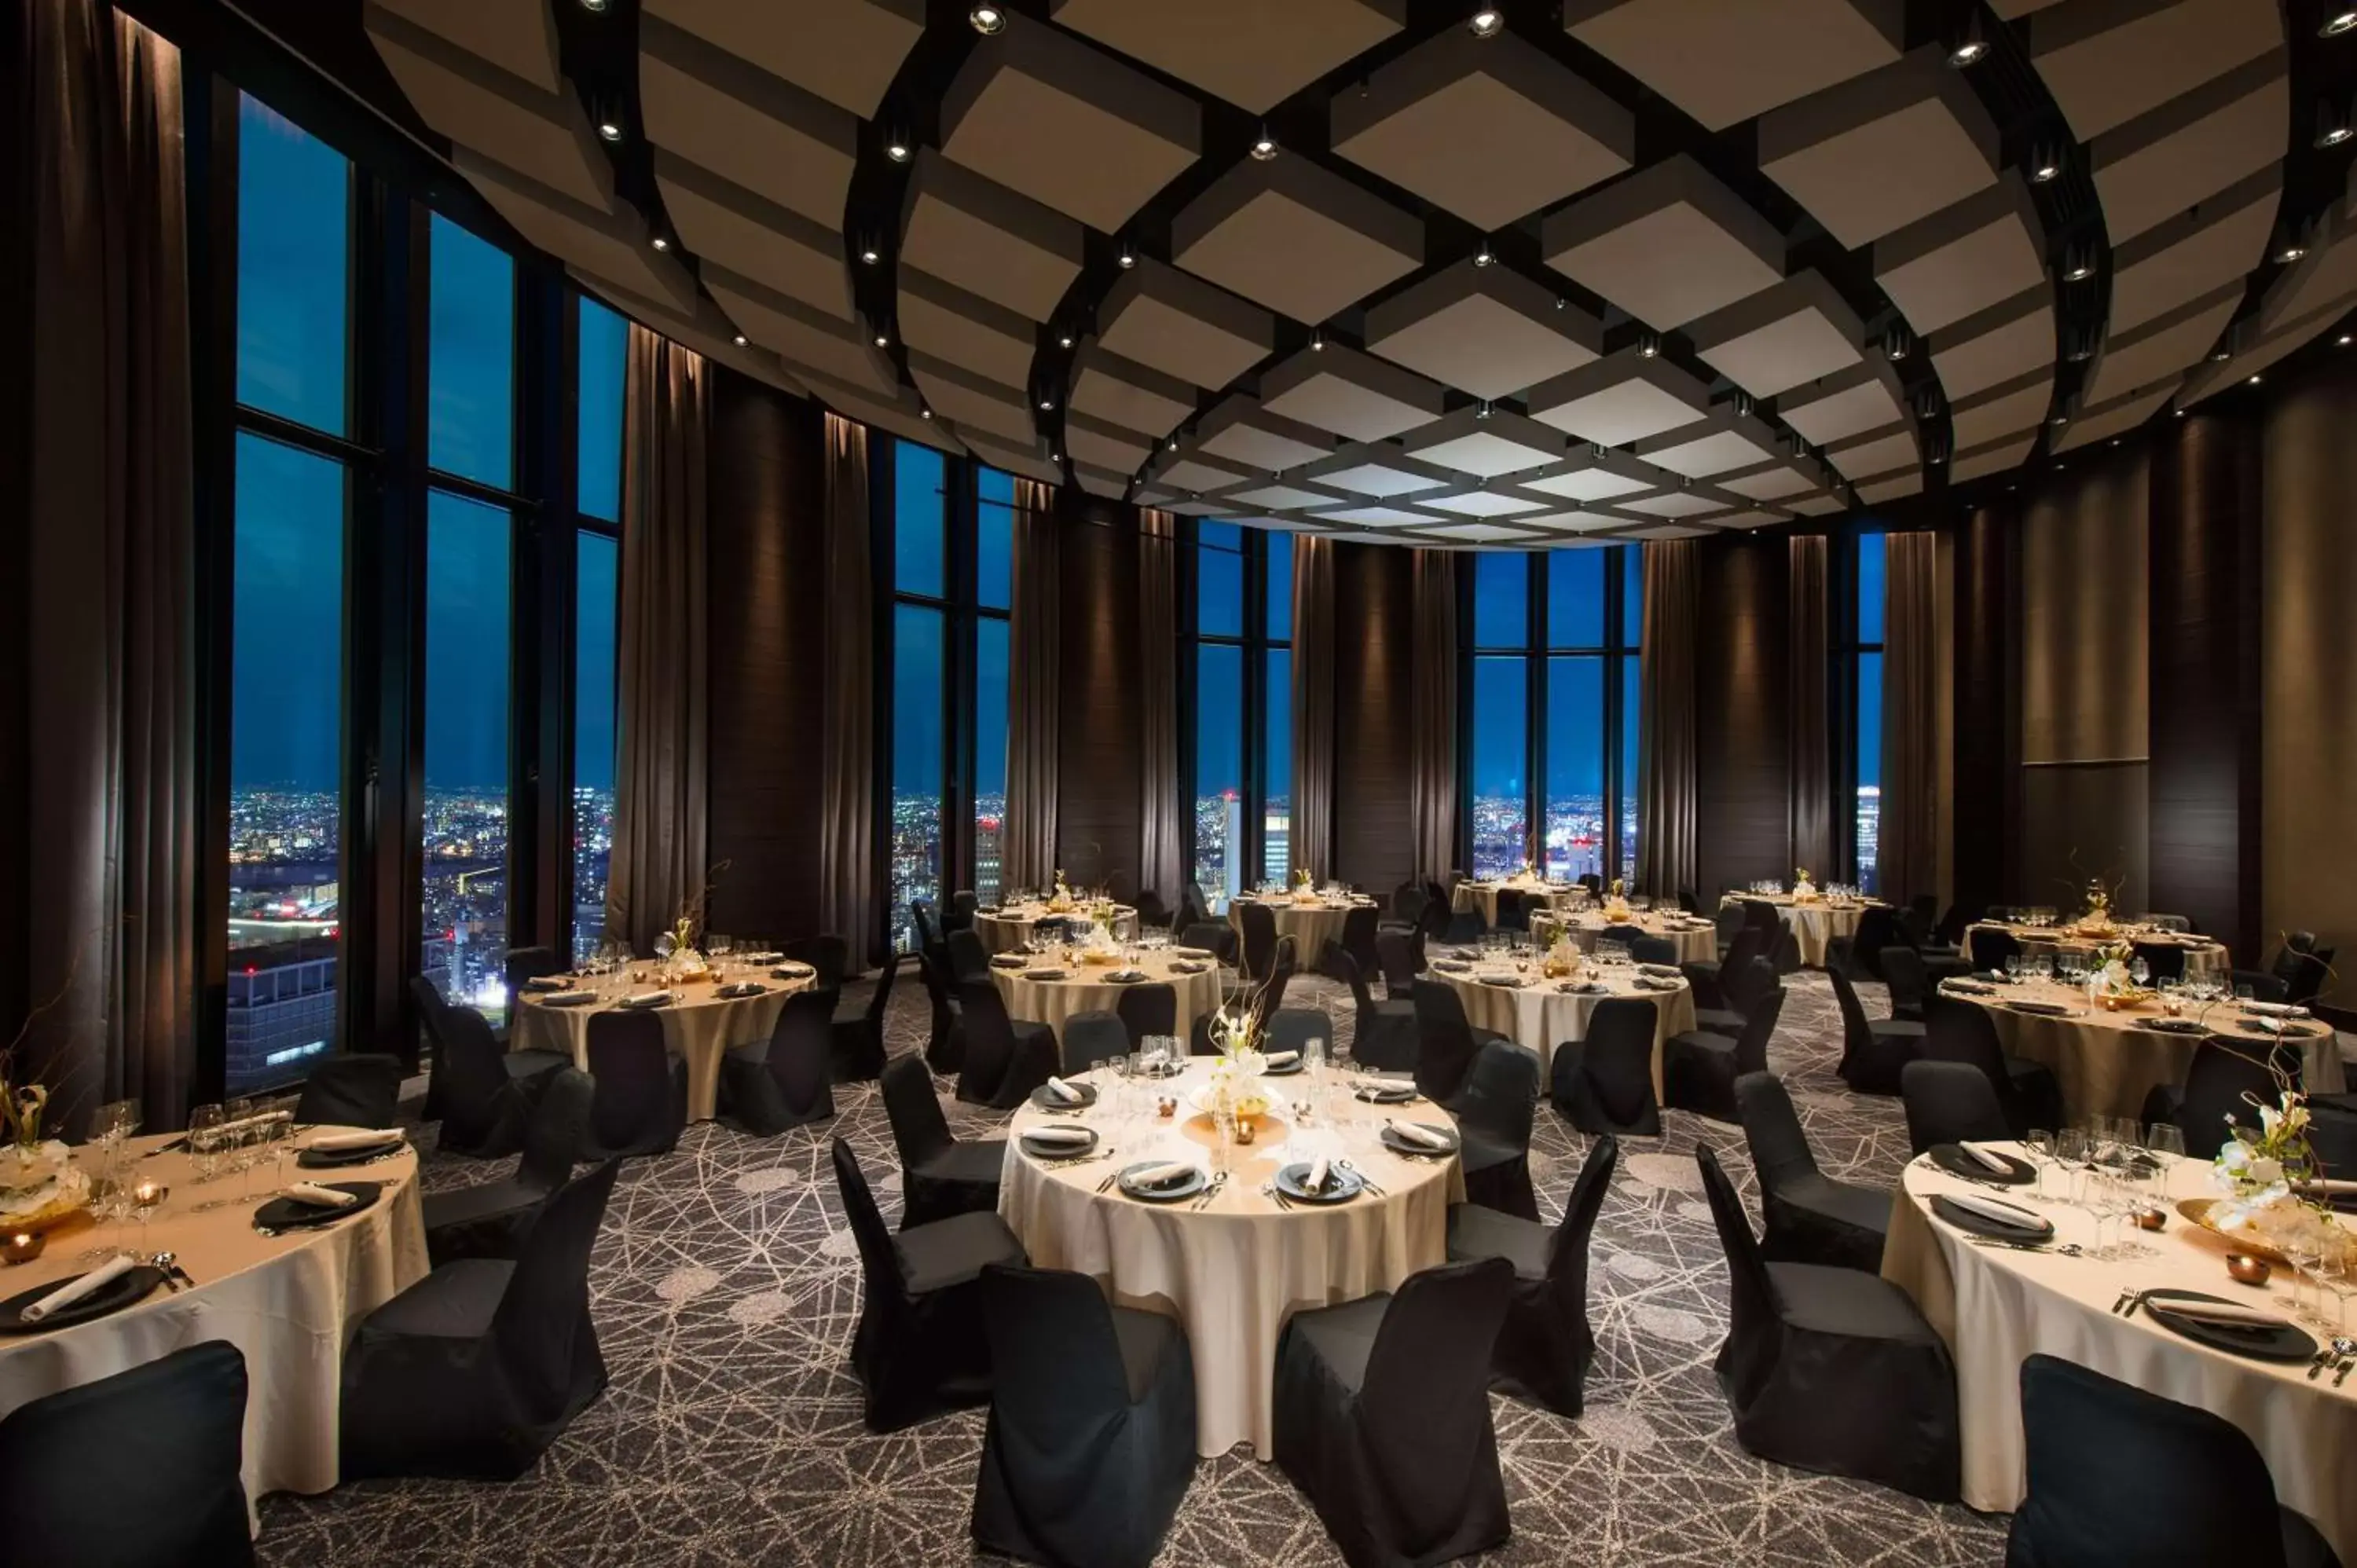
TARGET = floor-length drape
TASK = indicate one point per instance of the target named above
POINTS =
(659, 865)
(1432, 716)
(100, 614)
(847, 760)
(1033, 639)
(1908, 858)
(1666, 782)
(1310, 833)
(1161, 866)
(1810, 757)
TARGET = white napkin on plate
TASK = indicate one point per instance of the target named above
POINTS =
(1281, 1059)
(1316, 1180)
(645, 998)
(2003, 1213)
(1062, 1090)
(339, 1141)
(1985, 1156)
(548, 983)
(66, 1294)
(2218, 1312)
(320, 1197)
(1058, 1135)
(1161, 1175)
(1417, 1133)
(1377, 1085)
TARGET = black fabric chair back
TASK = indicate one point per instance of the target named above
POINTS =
(2265, 986)
(1344, 968)
(1500, 1097)
(528, 964)
(474, 1081)
(929, 932)
(1396, 953)
(1964, 1032)
(989, 1033)
(969, 960)
(1058, 1373)
(1258, 922)
(1739, 972)
(1617, 1055)
(432, 1011)
(1594, 882)
(1779, 1149)
(1654, 949)
(1752, 1324)
(1762, 916)
(1280, 977)
(1408, 902)
(2223, 1072)
(1426, 1390)
(1759, 1025)
(546, 1304)
(1444, 1041)
(1732, 920)
(1566, 1269)
(879, 1262)
(945, 1044)
(1438, 903)
(920, 1130)
(1153, 915)
(1149, 1007)
(358, 1088)
(2308, 977)
(1210, 936)
(2118, 1476)
(1292, 1028)
(1359, 935)
(959, 916)
(827, 953)
(2164, 960)
(1689, 901)
(1092, 1037)
(138, 1469)
(1992, 947)
(633, 1110)
(881, 999)
(1949, 1101)
(1858, 1033)
(1877, 928)
(1909, 982)
(1513, 909)
(1625, 935)
(801, 1048)
(557, 1136)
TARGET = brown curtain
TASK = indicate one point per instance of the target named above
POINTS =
(1162, 867)
(847, 760)
(1666, 840)
(1432, 718)
(1810, 759)
(1033, 639)
(660, 863)
(1908, 859)
(1310, 833)
(100, 549)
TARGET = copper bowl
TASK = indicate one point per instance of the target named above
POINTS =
(23, 1246)
(2246, 1270)
(2151, 1219)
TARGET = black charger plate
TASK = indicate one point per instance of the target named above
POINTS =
(1340, 1186)
(1955, 1162)
(336, 1159)
(2285, 1342)
(131, 1286)
(1045, 1098)
(1964, 1218)
(290, 1214)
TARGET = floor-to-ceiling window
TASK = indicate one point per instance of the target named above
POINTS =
(1276, 711)
(1629, 637)
(1236, 658)
(994, 599)
(920, 693)
(1499, 756)
(596, 571)
(1575, 839)
(1865, 690)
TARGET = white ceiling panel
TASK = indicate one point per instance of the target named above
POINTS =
(1482, 503)
(1889, 487)
(845, 51)
(1877, 453)
(2252, 358)
(2325, 276)
(705, 330)
(613, 246)
(800, 334)
(1993, 458)
(2205, 247)
(1485, 331)
(2107, 61)
(972, 403)
(966, 329)
(2115, 417)
(1592, 478)
(1294, 238)
(2002, 411)
(1028, 457)
(1771, 482)
(1726, 60)
(1378, 516)
(1467, 442)
(986, 239)
(1241, 430)
(1986, 248)
(750, 234)
(1722, 444)
(1674, 503)
(1181, 326)
(1190, 474)
(1282, 497)
(1485, 533)
(1381, 471)
(755, 130)
(1996, 345)
(1096, 481)
(1667, 244)
(1620, 398)
(1249, 52)
(2161, 348)
(1882, 150)
(1127, 393)
(2190, 149)
(1350, 394)
(1865, 397)
(1104, 446)
(1795, 332)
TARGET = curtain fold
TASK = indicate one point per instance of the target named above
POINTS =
(101, 544)
(1033, 692)
(1667, 774)
(1161, 866)
(1310, 833)
(846, 847)
(1432, 718)
(1810, 757)
(661, 864)
(1908, 858)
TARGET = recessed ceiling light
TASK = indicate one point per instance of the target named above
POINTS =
(1649, 347)
(1065, 341)
(897, 151)
(2253, 382)
(660, 244)
(2080, 272)
(1264, 148)
(2343, 341)
(2290, 253)
(1484, 256)
(1971, 46)
(1046, 406)
(2332, 136)
(610, 130)
(593, 6)
(882, 341)
(1481, 409)
(2334, 25)
(986, 19)
(740, 339)
(2220, 354)
(1128, 259)
(870, 257)
(1486, 22)
(924, 414)
(2059, 419)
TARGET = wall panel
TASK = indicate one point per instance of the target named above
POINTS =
(1374, 664)
(1743, 816)
(1099, 784)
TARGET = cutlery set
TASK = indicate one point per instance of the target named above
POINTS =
(2337, 1357)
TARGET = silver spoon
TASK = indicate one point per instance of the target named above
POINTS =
(1364, 1179)
(2346, 1348)
(169, 1263)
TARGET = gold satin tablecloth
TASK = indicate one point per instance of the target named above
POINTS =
(698, 1026)
(1085, 989)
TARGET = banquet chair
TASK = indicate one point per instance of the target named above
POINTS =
(1909, 982)
(771, 1085)
(920, 1349)
(1090, 1441)
(527, 963)
(928, 930)
(1877, 928)
(1359, 927)
(1437, 914)
(2163, 961)
(1689, 901)
(351, 1088)
(2027, 1093)
(1401, 956)
(827, 953)
(1544, 1346)
(1292, 1029)
(1382, 1416)
(1948, 1103)
(2158, 922)
(1809, 1217)
(1513, 910)
(1192, 910)
(2223, 1071)
(137, 1469)
(969, 960)
(1699, 1067)
(640, 1104)
(1721, 993)
(1149, 1007)
(941, 1175)
(856, 1040)
(959, 915)
(1005, 1059)
(1445, 1041)
(1259, 924)
(487, 1092)
(2265, 985)
(1594, 882)
(1152, 913)
(489, 1218)
(1654, 949)
(1092, 1038)
(2307, 978)
(1463, 927)
(945, 1044)
(1384, 1034)
(1732, 922)
(1214, 937)
(2117, 1473)
(1604, 1083)
(1874, 1050)
(1831, 1370)
(1991, 947)
(1495, 1113)
(1408, 902)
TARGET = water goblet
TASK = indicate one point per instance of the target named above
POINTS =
(2013, 966)
(2040, 1147)
(145, 1199)
(2140, 970)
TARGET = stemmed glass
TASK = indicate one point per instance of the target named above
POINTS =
(2040, 1146)
(2337, 1272)
(110, 1125)
(145, 1199)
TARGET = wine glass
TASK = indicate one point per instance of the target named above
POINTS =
(2013, 966)
(2138, 970)
(145, 1199)
(2040, 1146)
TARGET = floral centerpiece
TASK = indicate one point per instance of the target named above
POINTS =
(1305, 886)
(1804, 886)
(2098, 921)
(1563, 959)
(1234, 1088)
(1616, 902)
(2109, 984)
(2261, 1170)
(1060, 902)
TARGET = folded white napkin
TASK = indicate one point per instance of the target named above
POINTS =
(548, 983)
(320, 1197)
(66, 1294)
(1062, 1090)
(1417, 1133)
(1985, 1156)
(645, 998)
(1059, 1134)
(2003, 1213)
(1192, 952)
(1316, 1180)
(1377, 1085)
(2329, 1184)
(1282, 1058)
(369, 1139)
(2218, 1312)
(1161, 1175)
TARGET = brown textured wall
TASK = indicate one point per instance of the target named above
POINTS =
(1987, 772)
(1743, 819)
(1098, 785)
(1374, 663)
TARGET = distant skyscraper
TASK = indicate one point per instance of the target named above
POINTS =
(1869, 837)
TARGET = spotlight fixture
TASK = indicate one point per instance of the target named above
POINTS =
(1561, 302)
(1046, 406)
(1481, 409)
(2046, 165)
(2332, 123)
(660, 243)
(2079, 263)
(2081, 347)
(1129, 258)
(871, 256)
(2343, 341)
(1484, 256)
(2334, 25)
(1174, 443)
(740, 339)
(2290, 253)
(924, 414)
(897, 150)
(1897, 342)
(986, 19)
(1971, 46)
(1264, 148)
(1316, 340)
(2180, 414)
(2220, 354)
(2290, 245)
(610, 128)
(1743, 405)
(595, 7)
(1486, 22)
(1649, 347)
(883, 341)
(1065, 341)
(2253, 382)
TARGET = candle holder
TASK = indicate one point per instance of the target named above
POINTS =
(22, 1247)
(2150, 1219)
(2246, 1270)
(1167, 1106)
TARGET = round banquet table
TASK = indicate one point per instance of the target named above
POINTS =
(1814, 924)
(1234, 1271)
(1535, 1012)
(1311, 925)
(1483, 895)
(2202, 956)
(1085, 989)
(1009, 927)
(2108, 1062)
(1697, 939)
(698, 1026)
(287, 1303)
(1994, 1306)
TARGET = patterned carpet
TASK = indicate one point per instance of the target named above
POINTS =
(725, 1286)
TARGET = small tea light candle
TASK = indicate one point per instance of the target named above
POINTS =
(22, 1247)
(147, 1195)
(2247, 1270)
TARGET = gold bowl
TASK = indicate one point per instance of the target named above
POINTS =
(2244, 1239)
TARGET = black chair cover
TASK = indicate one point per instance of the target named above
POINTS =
(475, 1369)
(1214, 937)
(1947, 1102)
(945, 1044)
(1513, 909)
(2222, 1073)
(487, 1092)
(1604, 1082)
(135, 1470)
(2120, 1476)
(928, 930)
(358, 1088)
(1359, 927)
(1382, 1034)
(1873, 1050)
(959, 916)
(2265, 986)
(1382, 1417)
(1446, 1042)
(2163, 961)
(782, 1082)
(969, 960)
(1004, 1060)
(1091, 1440)
(1258, 923)
(1545, 1345)
(1153, 915)
(1292, 1028)
(640, 1106)
(1408, 902)
(1092, 1037)
(1402, 955)
(528, 964)
(827, 953)
(1811, 1218)
(1910, 979)
(2029, 1094)
(1149, 1007)
(1991, 947)
(857, 1042)
(940, 1176)
(1699, 1068)
(1832, 1370)
(1719, 988)
(489, 1219)
(921, 1348)
(1494, 1114)
(1877, 928)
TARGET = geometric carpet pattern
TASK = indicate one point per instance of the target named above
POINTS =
(724, 1287)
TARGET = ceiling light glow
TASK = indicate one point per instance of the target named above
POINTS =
(986, 19)
(1486, 22)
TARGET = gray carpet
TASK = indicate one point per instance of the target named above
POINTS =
(725, 1286)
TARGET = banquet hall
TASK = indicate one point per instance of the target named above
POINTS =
(1218, 783)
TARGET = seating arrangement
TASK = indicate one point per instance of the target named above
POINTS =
(782, 1082)
(1910, 979)
(1150, 1008)
(1544, 1346)
(528, 964)
(1810, 1217)
(828, 954)
(1723, 997)
(1699, 1067)
(1358, 940)
(2224, 1078)
(1604, 1083)
(1401, 954)
(2027, 1093)
(1384, 1034)
(1004, 1059)
(1991, 947)
(1091, 1038)
(1091, 1440)
(1874, 1050)
(489, 1219)
(1446, 1042)
(941, 1174)
(1948, 1103)
(855, 1043)
(351, 1088)
(1495, 1110)
(483, 1095)
(945, 1039)
(969, 960)
(1258, 922)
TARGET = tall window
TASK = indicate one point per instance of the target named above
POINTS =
(1574, 734)
(1867, 719)
(1239, 655)
(287, 661)
(1630, 629)
(1502, 739)
(921, 585)
(994, 598)
(597, 567)
(1276, 709)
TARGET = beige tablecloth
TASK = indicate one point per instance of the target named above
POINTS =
(698, 1026)
(1311, 925)
(1086, 989)
(287, 1303)
(2109, 1061)
(2202, 956)
(1010, 928)
(1995, 1306)
(1234, 1271)
(1696, 943)
(1483, 895)
(1538, 1015)
(1814, 924)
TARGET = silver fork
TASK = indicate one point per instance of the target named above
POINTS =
(1219, 1180)
(1364, 1179)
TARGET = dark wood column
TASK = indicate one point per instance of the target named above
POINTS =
(1743, 810)
(1988, 729)
(1099, 786)
(1374, 657)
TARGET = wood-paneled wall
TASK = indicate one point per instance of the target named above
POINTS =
(1374, 662)
(1987, 748)
(1744, 823)
(1098, 787)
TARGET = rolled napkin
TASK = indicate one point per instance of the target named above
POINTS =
(72, 1290)
(1192, 952)
(2224, 1312)
(1008, 960)
(1316, 1180)
(1062, 1090)
(2003, 1213)
(1987, 1156)
(369, 1139)
(1417, 1133)
(646, 999)
(548, 983)
(320, 1197)
(1162, 1176)
(1281, 1059)
(1059, 1134)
